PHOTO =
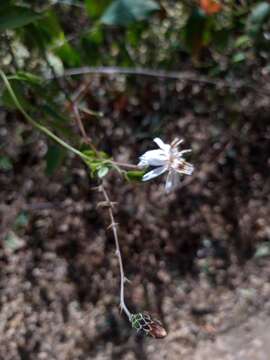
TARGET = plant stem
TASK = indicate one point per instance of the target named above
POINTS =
(50, 133)
(118, 253)
(125, 165)
(61, 142)
(36, 124)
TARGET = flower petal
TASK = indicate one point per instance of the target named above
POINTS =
(161, 144)
(176, 142)
(180, 153)
(154, 158)
(142, 164)
(154, 173)
(172, 181)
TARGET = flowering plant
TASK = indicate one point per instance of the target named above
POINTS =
(166, 159)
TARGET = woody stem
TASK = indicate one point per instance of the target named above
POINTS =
(113, 225)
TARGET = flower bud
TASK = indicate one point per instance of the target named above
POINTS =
(144, 323)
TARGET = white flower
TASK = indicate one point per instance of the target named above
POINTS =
(166, 158)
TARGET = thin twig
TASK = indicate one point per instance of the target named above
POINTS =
(113, 226)
(174, 75)
(90, 112)
(74, 100)
(78, 119)
(85, 137)
(80, 92)
(125, 165)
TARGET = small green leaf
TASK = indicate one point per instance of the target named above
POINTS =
(5, 163)
(103, 171)
(242, 42)
(12, 17)
(54, 159)
(135, 175)
(91, 154)
(27, 77)
(259, 15)
(125, 12)
(96, 8)
(260, 12)
(238, 57)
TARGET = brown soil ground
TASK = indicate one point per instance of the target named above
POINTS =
(189, 256)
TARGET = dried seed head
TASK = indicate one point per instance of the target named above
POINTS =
(144, 323)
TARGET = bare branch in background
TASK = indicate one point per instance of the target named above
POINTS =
(174, 75)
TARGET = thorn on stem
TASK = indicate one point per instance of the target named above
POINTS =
(111, 226)
(106, 204)
(126, 280)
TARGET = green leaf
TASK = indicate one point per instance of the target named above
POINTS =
(125, 12)
(12, 17)
(258, 16)
(96, 162)
(238, 57)
(103, 171)
(5, 163)
(27, 77)
(89, 153)
(92, 155)
(96, 8)
(68, 54)
(91, 44)
(54, 159)
(48, 30)
(242, 42)
(260, 12)
(134, 175)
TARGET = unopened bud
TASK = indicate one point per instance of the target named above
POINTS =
(143, 322)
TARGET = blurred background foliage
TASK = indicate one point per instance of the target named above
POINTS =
(42, 39)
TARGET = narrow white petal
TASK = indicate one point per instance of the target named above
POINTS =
(176, 142)
(142, 164)
(154, 157)
(153, 153)
(168, 184)
(161, 144)
(180, 153)
(172, 181)
(154, 173)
